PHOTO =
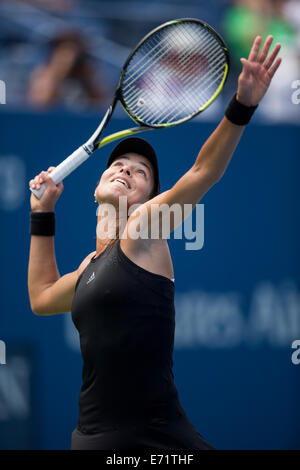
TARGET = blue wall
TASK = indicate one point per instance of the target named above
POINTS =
(237, 299)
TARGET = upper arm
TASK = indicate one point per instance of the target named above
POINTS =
(163, 213)
(58, 297)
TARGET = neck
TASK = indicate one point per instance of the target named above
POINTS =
(111, 222)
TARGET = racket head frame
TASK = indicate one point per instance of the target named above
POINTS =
(96, 143)
(217, 36)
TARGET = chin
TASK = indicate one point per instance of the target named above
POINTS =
(110, 196)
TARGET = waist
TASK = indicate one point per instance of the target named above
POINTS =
(101, 419)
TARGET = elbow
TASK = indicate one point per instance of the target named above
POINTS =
(42, 309)
(33, 304)
(35, 308)
(36, 312)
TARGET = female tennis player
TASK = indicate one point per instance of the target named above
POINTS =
(122, 294)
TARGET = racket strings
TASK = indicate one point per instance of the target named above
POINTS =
(186, 101)
(194, 59)
(199, 89)
(169, 77)
(184, 57)
(151, 46)
(178, 116)
(183, 79)
(153, 43)
(172, 116)
(147, 71)
(194, 79)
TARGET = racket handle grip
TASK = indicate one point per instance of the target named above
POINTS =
(64, 169)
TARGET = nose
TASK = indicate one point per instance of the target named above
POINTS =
(125, 170)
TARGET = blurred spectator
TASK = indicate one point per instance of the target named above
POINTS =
(51, 5)
(69, 77)
(291, 11)
(246, 19)
(249, 18)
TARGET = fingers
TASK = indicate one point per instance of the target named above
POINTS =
(272, 56)
(263, 58)
(255, 48)
(265, 50)
(41, 178)
(275, 67)
(37, 181)
(60, 186)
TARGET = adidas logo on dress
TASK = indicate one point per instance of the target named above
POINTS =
(92, 277)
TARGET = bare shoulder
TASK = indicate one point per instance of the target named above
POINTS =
(150, 254)
(85, 262)
(143, 245)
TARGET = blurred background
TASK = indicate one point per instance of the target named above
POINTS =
(237, 299)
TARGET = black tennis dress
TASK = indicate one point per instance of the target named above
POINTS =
(125, 317)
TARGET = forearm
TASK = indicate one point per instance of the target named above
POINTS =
(217, 151)
(42, 268)
(253, 83)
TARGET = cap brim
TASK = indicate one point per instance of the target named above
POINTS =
(133, 144)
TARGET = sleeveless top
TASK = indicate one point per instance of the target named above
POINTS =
(125, 317)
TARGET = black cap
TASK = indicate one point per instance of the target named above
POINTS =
(142, 147)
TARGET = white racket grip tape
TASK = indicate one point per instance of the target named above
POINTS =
(64, 169)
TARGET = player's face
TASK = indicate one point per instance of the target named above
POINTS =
(129, 175)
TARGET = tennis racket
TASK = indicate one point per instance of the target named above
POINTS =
(174, 73)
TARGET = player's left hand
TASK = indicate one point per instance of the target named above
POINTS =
(258, 71)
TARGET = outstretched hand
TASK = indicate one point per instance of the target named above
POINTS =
(258, 71)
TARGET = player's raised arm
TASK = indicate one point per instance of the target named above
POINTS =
(253, 84)
(48, 292)
(215, 155)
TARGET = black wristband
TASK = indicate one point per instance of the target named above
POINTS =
(238, 113)
(42, 223)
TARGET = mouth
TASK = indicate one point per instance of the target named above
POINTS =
(122, 181)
